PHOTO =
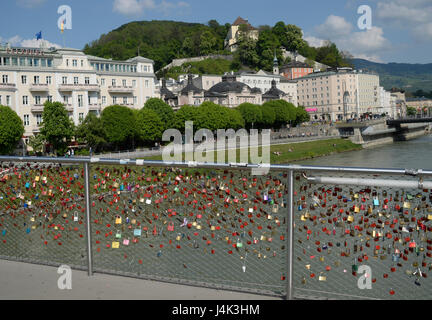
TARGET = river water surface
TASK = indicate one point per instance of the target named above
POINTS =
(415, 154)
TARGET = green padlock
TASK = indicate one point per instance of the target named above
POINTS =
(239, 244)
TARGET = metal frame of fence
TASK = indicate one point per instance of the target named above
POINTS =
(290, 169)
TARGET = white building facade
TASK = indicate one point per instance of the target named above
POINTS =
(30, 77)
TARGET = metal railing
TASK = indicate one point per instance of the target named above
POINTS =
(216, 226)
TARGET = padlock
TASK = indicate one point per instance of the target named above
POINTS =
(115, 245)
(75, 217)
(137, 232)
(322, 278)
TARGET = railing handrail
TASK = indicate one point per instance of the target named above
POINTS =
(208, 165)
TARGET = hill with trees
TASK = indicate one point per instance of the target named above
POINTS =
(163, 41)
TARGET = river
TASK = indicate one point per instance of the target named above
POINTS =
(415, 154)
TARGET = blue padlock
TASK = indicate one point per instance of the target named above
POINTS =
(28, 230)
(27, 185)
(4, 232)
(300, 208)
(25, 205)
(122, 187)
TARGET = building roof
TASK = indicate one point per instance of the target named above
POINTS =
(296, 64)
(140, 59)
(240, 21)
(418, 99)
(190, 87)
(274, 92)
(229, 84)
(165, 92)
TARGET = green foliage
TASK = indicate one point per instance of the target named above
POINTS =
(161, 41)
(37, 143)
(213, 116)
(268, 116)
(301, 115)
(11, 130)
(185, 113)
(411, 111)
(57, 129)
(207, 66)
(251, 113)
(163, 110)
(149, 126)
(119, 126)
(92, 132)
(285, 111)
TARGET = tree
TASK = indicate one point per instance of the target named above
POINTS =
(208, 43)
(91, 130)
(57, 128)
(11, 130)
(251, 113)
(163, 110)
(294, 38)
(185, 113)
(37, 143)
(246, 52)
(411, 111)
(285, 111)
(268, 116)
(301, 116)
(119, 126)
(149, 126)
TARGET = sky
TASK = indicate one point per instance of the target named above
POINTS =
(398, 31)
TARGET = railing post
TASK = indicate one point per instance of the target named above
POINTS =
(290, 236)
(88, 218)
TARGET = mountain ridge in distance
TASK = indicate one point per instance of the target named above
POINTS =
(408, 76)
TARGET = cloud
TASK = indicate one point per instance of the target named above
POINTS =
(29, 3)
(414, 16)
(365, 44)
(17, 41)
(335, 26)
(314, 41)
(137, 7)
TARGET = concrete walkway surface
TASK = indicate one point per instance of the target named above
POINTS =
(23, 281)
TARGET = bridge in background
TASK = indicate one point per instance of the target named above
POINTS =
(398, 122)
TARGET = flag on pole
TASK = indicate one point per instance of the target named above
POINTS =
(39, 35)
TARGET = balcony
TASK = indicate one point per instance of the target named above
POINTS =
(39, 87)
(79, 87)
(8, 87)
(37, 108)
(36, 129)
(120, 89)
(95, 107)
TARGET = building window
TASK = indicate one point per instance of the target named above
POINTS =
(38, 119)
(48, 80)
(24, 79)
(8, 101)
(102, 82)
(74, 63)
(81, 117)
(75, 80)
(125, 100)
(104, 100)
(87, 80)
(82, 63)
(5, 78)
(64, 80)
(113, 82)
(80, 101)
(26, 120)
(134, 83)
(65, 99)
(124, 83)
(36, 79)
(67, 62)
(114, 100)
(146, 83)
(135, 100)
(25, 100)
(49, 98)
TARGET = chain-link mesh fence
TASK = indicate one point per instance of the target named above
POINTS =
(339, 229)
(222, 228)
(42, 214)
(215, 228)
